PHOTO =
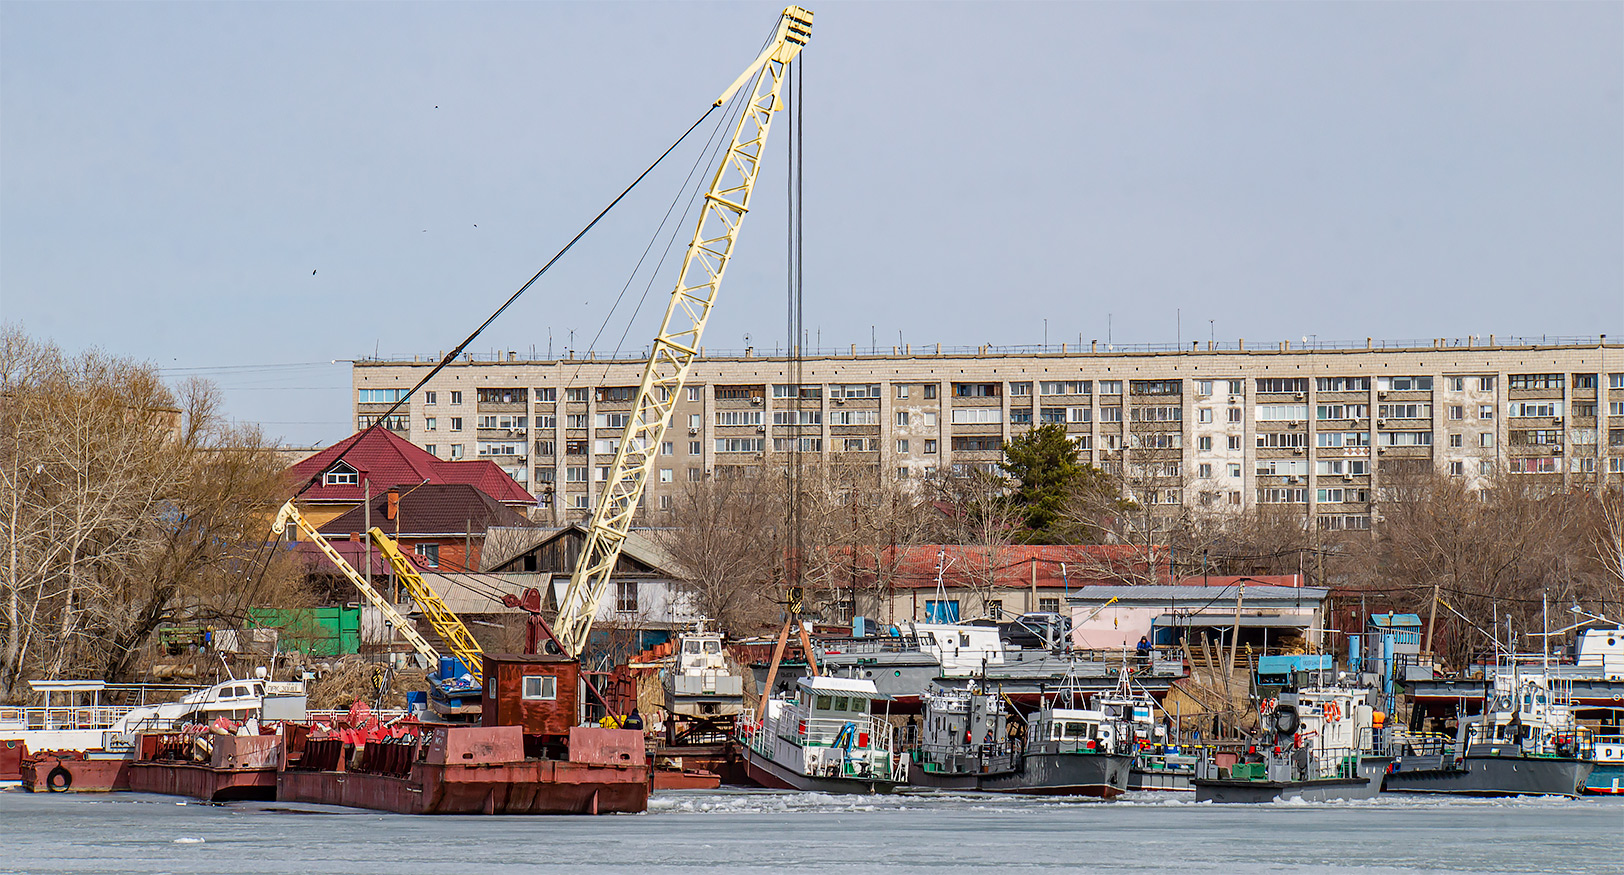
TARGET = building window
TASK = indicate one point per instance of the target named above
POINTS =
(456, 451)
(695, 448)
(1282, 385)
(1234, 469)
(430, 449)
(1204, 470)
(1455, 440)
(1203, 414)
(902, 390)
(626, 596)
(575, 474)
(902, 446)
(1534, 381)
(429, 552)
(343, 475)
(546, 394)
(668, 448)
(1020, 388)
(430, 423)
(431, 397)
(1204, 443)
(1110, 414)
(694, 420)
(1404, 384)
(902, 472)
(602, 473)
(1234, 441)
(930, 419)
(1485, 411)
(581, 503)
(381, 396)
(930, 390)
(575, 448)
(1457, 468)
(696, 393)
(540, 687)
(665, 502)
(1486, 439)
(695, 475)
(930, 446)
(456, 397)
(1485, 467)
(1485, 384)
(1234, 414)
(1049, 605)
(456, 423)
(666, 475)
(1020, 416)
(1457, 412)
(902, 417)
(975, 390)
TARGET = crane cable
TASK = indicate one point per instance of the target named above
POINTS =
(452, 355)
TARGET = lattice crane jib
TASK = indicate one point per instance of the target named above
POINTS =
(407, 629)
(445, 623)
(677, 344)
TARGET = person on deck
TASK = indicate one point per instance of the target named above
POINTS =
(1143, 648)
(632, 721)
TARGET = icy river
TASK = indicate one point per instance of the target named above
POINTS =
(745, 831)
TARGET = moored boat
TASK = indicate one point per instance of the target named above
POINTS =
(1526, 742)
(824, 737)
(1319, 744)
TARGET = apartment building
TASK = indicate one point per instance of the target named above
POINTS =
(1224, 426)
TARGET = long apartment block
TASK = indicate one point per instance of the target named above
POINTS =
(1317, 429)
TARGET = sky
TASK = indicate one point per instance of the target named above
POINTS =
(250, 191)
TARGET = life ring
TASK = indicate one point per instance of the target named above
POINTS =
(1332, 711)
(58, 780)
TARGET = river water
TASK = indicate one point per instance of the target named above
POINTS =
(760, 831)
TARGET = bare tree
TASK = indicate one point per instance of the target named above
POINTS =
(126, 506)
(726, 534)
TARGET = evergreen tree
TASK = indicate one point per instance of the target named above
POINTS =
(1043, 463)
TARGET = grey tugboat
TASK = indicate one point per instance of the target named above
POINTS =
(1318, 744)
(967, 744)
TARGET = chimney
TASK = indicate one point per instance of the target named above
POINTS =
(394, 503)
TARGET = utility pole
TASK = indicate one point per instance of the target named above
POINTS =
(1432, 619)
(1235, 634)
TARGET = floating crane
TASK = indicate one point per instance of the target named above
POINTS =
(677, 343)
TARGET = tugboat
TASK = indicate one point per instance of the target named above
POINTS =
(1058, 751)
(822, 737)
(702, 697)
(1158, 763)
(1526, 742)
(1320, 745)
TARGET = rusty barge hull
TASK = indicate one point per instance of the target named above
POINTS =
(203, 781)
(70, 775)
(526, 787)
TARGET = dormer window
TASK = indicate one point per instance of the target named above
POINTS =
(342, 475)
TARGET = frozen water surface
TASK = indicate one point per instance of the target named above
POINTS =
(760, 831)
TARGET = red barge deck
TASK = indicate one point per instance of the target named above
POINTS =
(474, 770)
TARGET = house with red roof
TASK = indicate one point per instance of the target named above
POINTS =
(344, 474)
(442, 524)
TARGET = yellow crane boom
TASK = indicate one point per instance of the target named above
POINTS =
(290, 514)
(677, 343)
(446, 624)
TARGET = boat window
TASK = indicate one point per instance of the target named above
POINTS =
(840, 704)
(713, 647)
(690, 647)
(239, 691)
(964, 639)
(825, 703)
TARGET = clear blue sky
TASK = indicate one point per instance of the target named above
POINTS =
(171, 175)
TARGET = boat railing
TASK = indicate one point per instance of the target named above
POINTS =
(1433, 744)
(1334, 762)
(338, 715)
(89, 717)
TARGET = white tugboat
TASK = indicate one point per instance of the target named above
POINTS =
(823, 737)
(703, 697)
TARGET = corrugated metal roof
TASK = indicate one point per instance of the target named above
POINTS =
(1095, 595)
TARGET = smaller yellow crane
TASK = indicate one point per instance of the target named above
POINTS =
(445, 623)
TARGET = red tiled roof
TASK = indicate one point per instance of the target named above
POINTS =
(431, 509)
(386, 459)
(1012, 566)
(1232, 579)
